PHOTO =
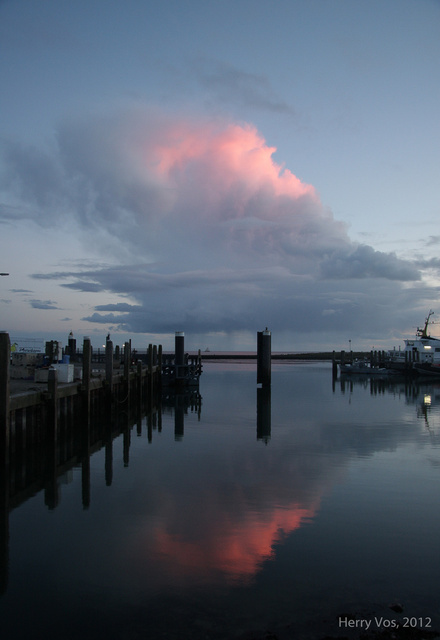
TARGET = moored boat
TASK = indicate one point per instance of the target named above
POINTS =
(420, 354)
(427, 368)
(363, 367)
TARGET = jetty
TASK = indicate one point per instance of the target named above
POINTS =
(45, 394)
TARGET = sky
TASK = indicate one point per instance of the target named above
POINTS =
(217, 167)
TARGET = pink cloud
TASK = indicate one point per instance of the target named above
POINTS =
(220, 162)
(233, 153)
(234, 549)
(216, 183)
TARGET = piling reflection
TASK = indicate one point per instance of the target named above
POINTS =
(180, 404)
(36, 466)
(264, 410)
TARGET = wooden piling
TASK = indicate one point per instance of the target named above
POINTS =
(52, 387)
(179, 348)
(127, 363)
(4, 528)
(5, 358)
(87, 373)
(264, 356)
(109, 362)
(72, 348)
(150, 372)
(139, 384)
(159, 368)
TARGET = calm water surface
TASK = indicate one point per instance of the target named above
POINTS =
(254, 513)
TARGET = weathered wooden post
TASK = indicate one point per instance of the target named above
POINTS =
(159, 367)
(109, 363)
(86, 374)
(264, 355)
(85, 449)
(139, 386)
(4, 528)
(199, 362)
(127, 362)
(72, 347)
(52, 387)
(5, 359)
(51, 492)
(179, 348)
(150, 374)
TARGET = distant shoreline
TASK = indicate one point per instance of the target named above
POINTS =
(322, 355)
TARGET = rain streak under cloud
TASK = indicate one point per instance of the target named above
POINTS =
(206, 231)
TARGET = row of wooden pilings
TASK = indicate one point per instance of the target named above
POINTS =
(139, 381)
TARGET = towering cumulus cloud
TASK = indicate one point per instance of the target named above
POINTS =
(166, 183)
(204, 222)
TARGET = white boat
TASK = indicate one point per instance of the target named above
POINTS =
(421, 353)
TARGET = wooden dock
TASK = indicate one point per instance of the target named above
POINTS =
(33, 412)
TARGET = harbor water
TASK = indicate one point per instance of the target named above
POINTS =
(305, 511)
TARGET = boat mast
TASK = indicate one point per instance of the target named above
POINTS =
(423, 333)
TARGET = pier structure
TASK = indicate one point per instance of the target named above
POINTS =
(179, 369)
(50, 429)
(31, 411)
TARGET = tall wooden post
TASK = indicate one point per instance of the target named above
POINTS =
(72, 348)
(139, 388)
(5, 358)
(264, 355)
(85, 449)
(51, 494)
(127, 362)
(87, 374)
(52, 387)
(159, 368)
(179, 348)
(150, 374)
(109, 362)
(4, 528)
